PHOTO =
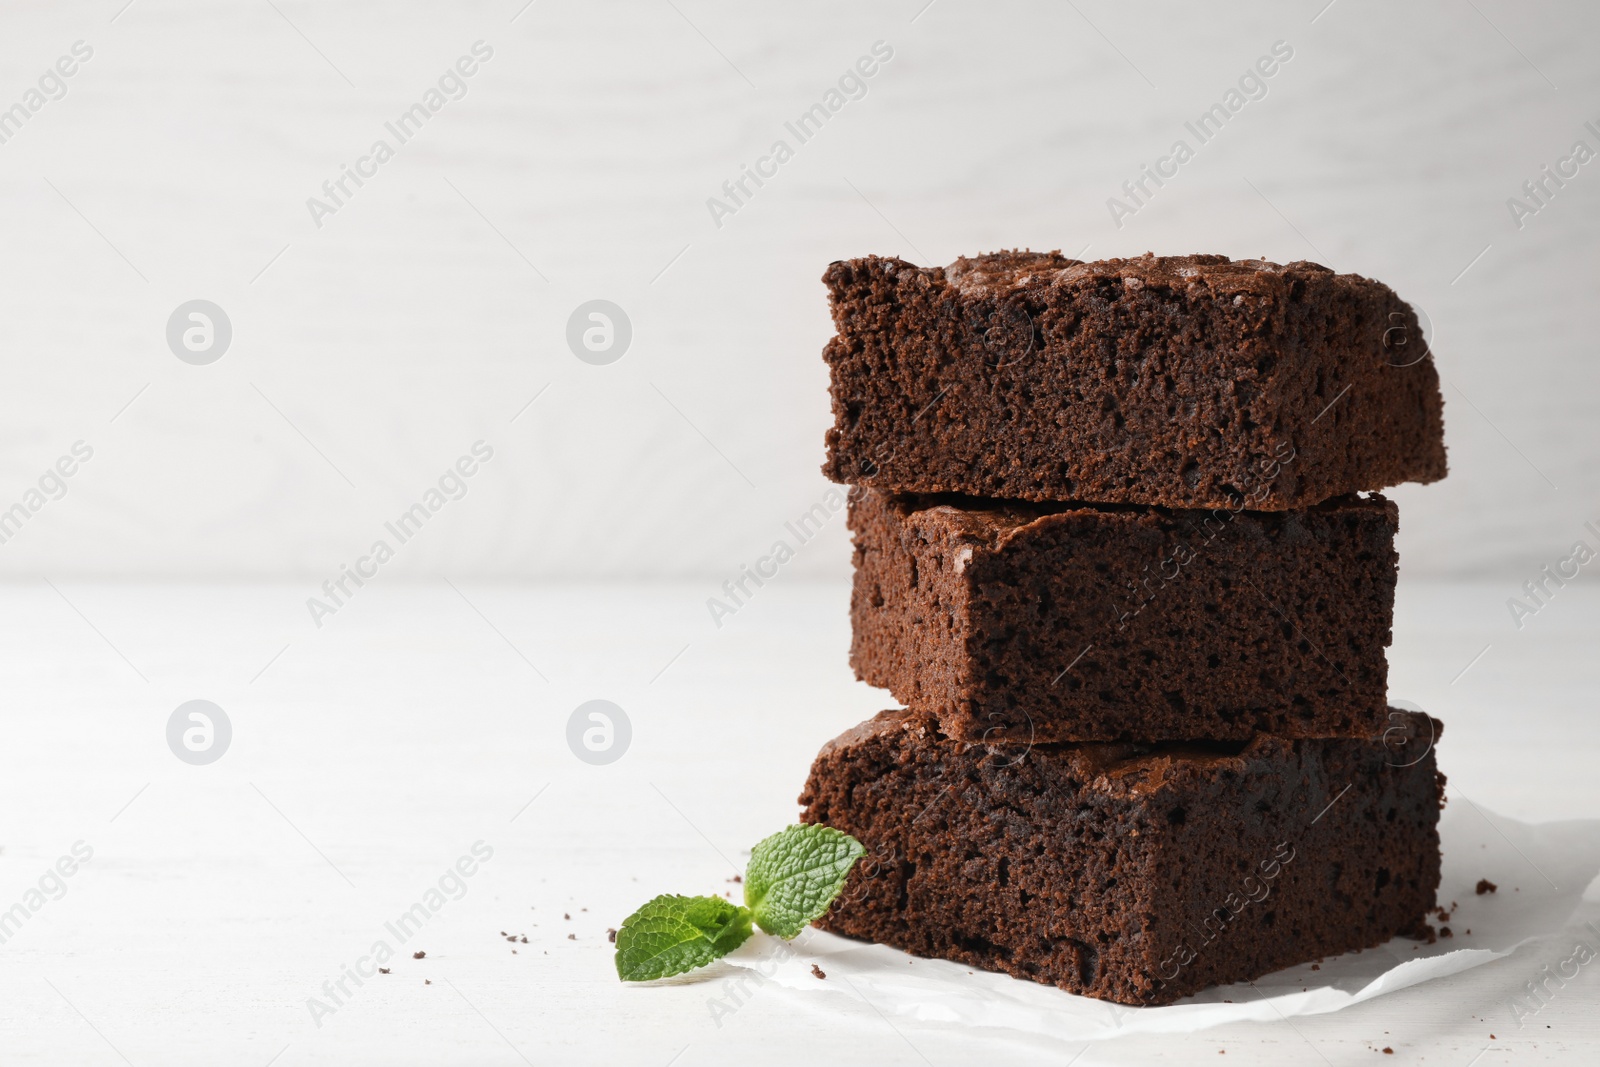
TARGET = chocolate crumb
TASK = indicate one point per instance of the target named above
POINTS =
(419, 954)
(889, 313)
(383, 970)
(566, 916)
(427, 981)
(1444, 931)
(898, 633)
(817, 971)
(572, 937)
(737, 878)
(1387, 1051)
(611, 935)
(905, 756)
(1316, 966)
(1485, 886)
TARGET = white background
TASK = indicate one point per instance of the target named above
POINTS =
(405, 328)
(371, 352)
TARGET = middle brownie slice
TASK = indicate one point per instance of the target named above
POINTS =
(1019, 622)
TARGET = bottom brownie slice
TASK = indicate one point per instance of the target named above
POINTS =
(1133, 873)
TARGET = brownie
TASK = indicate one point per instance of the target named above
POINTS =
(1016, 621)
(1181, 381)
(1139, 874)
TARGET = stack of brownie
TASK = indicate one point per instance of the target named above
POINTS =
(1113, 553)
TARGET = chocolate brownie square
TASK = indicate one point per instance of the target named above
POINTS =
(1018, 622)
(1181, 381)
(1139, 874)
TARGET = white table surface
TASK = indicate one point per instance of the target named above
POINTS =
(371, 754)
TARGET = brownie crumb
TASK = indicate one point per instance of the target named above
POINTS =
(419, 954)
(1387, 1051)
(1084, 801)
(737, 878)
(427, 981)
(818, 971)
(1485, 886)
(611, 934)
(995, 639)
(1444, 931)
(1250, 354)
(524, 939)
(572, 937)
(383, 970)
(1316, 966)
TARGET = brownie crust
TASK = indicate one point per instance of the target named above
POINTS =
(1138, 874)
(1026, 622)
(1180, 381)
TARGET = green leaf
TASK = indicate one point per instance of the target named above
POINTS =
(794, 876)
(673, 934)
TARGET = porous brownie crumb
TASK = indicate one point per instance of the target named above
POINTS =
(1183, 381)
(1132, 873)
(1018, 622)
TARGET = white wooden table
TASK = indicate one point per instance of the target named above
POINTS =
(368, 757)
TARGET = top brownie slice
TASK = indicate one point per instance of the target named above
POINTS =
(1181, 381)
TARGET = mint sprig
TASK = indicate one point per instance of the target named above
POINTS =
(673, 934)
(792, 879)
(796, 874)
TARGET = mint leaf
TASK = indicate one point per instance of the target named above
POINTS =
(673, 934)
(795, 874)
